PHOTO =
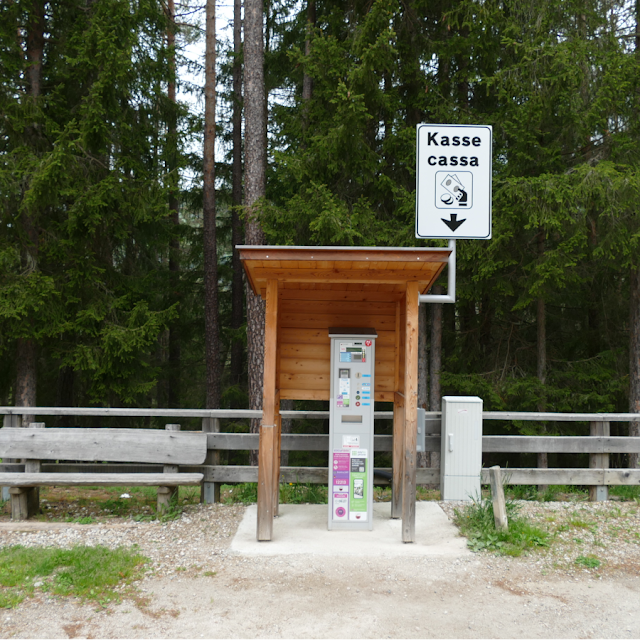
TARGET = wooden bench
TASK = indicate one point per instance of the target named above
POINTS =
(170, 448)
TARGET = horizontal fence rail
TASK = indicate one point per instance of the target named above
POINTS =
(598, 447)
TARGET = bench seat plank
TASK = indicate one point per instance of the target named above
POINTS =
(109, 445)
(99, 479)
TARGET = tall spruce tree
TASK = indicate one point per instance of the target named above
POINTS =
(84, 209)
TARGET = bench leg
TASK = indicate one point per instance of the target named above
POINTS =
(25, 502)
(166, 495)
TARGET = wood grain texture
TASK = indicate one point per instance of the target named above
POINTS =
(397, 446)
(410, 414)
(311, 255)
(99, 479)
(560, 444)
(497, 497)
(268, 429)
(265, 483)
(599, 461)
(121, 445)
(379, 276)
(289, 442)
(312, 475)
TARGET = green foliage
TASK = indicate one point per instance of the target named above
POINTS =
(78, 167)
(290, 493)
(244, 493)
(476, 522)
(302, 493)
(90, 573)
(588, 562)
(89, 165)
(626, 492)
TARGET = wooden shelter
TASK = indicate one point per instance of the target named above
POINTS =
(309, 289)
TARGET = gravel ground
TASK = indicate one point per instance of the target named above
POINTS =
(197, 587)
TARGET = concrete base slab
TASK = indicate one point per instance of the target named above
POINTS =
(302, 529)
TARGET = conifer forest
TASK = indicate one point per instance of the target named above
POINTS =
(129, 171)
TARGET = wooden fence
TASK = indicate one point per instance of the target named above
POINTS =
(599, 445)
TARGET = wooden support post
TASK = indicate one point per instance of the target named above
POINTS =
(33, 466)
(210, 491)
(167, 495)
(410, 413)
(19, 502)
(14, 421)
(268, 428)
(543, 463)
(599, 493)
(398, 457)
(497, 496)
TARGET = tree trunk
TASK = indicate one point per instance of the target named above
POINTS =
(543, 458)
(541, 344)
(237, 291)
(212, 339)
(435, 365)
(255, 154)
(634, 360)
(174, 243)
(307, 80)
(435, 353)
(423, 375)
(26, 348)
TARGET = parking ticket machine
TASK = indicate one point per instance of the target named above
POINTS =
(351, 428)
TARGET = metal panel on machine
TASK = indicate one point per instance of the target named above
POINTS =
(351, 428)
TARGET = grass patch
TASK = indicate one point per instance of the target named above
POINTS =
(476, 522)
(243, 493)
(626, 492)
(82, 520)
(303, 493)
(290, 493)
(306, 493)
(552, 493)
(87, 505)
(588, 562)
(90, 573)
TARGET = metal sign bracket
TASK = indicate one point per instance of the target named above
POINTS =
(451, 282)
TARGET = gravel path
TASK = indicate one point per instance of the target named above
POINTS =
(198, 588)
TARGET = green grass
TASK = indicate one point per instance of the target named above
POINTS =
(290, 493)
(303, 493)
(553, 492)
(306, 493)
(476, 522)
(90, 573)
(244, 493)
(627, 492)
(588, 562)
(99, 503)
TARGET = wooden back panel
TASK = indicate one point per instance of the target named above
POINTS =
(109, 445)
(304, 344)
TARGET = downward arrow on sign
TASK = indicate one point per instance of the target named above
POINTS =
(454, 223)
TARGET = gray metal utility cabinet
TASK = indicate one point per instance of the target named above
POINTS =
(461, 458)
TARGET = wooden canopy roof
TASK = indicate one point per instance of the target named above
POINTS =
(380, 269)
(308, 290)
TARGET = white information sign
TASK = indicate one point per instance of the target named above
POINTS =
(453, 184)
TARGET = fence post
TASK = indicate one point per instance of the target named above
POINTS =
(11, 420)
(210, 491)
(497, 496)
(599, 493)
(168, 494)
